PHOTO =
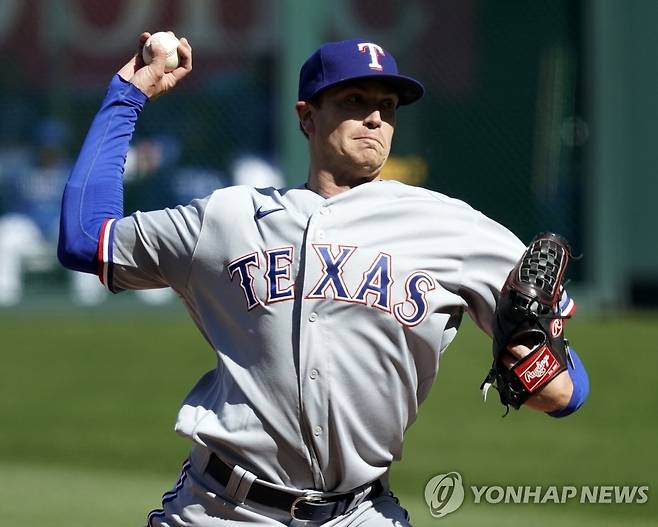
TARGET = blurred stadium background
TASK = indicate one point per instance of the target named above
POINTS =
(542, 114)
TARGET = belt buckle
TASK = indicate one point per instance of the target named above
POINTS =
(312, 497)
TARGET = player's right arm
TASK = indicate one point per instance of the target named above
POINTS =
(93, 197)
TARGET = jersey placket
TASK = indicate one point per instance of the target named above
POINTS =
(315, 348)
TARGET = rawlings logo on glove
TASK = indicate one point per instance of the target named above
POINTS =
(528, 311)
(544, 367)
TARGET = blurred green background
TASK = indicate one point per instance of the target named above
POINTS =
(88, 400)
(540, 113)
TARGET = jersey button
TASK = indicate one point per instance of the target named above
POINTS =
(324, 211)
(321, 235)
(313, 317)
(317, 431)
(314, 374)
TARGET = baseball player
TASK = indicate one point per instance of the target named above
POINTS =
(327, 305)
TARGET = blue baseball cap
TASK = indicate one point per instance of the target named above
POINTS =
(337, 62)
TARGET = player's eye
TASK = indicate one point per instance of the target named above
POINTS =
(353, 99)
(388, 105)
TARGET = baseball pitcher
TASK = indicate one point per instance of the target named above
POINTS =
(327, 305)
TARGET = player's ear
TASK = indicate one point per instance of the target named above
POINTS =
(305, 114)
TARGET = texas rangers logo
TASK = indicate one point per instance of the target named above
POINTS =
(375, 52)
(407, 303)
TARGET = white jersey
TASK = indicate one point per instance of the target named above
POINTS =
(328, 316)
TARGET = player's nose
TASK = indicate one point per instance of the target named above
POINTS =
(373, 120)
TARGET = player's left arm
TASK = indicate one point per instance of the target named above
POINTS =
(533, 363)
(494, 250)
(566, 393)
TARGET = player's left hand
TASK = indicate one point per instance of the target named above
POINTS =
(554, 396)
(152, 79)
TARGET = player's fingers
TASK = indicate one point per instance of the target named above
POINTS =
(180, 72)
(513, 354)
(508, 360)
(185, 54)
(185, 45)
(518, 351)
(141, 40)
(185, 60)
(159, 54)
(136, 61)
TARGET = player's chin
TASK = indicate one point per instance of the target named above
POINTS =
(370, 160)
(369, 171)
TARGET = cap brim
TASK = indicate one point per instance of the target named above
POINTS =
(409, 90)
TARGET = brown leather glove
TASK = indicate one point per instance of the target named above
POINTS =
(528, 313)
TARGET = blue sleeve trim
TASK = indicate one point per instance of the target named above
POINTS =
(580, 381)
(94, 191)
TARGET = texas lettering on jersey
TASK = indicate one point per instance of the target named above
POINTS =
(374, 289)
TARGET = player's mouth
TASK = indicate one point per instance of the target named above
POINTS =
(370, 138)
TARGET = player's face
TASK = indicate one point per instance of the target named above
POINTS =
(353, 128)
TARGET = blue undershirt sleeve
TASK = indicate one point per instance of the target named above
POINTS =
(94, 190)
(580, 381)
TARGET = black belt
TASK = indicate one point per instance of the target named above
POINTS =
(310, 507)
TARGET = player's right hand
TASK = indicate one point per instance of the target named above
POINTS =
(151, 79)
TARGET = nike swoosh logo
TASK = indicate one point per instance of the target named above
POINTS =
(260, 213)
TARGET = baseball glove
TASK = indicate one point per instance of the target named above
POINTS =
(528, 312)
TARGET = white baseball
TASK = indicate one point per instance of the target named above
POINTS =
(169, 42)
